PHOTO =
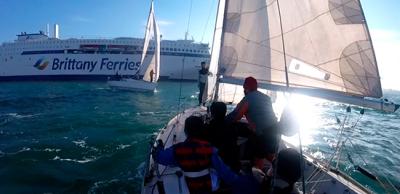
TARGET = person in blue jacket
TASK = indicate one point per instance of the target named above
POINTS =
(196, 157)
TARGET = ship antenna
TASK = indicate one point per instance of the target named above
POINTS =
(188, 24)
(48, 30)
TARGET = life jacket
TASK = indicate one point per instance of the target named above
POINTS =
(194, 158)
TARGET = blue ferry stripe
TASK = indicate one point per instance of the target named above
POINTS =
(42, 52)
(77, 51)
(86, 77)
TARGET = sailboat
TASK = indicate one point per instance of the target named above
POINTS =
(152, 68)
(318, 48)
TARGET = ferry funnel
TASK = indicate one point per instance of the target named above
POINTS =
(56, 31)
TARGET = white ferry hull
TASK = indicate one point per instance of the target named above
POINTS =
(38, 57)
(98, 66)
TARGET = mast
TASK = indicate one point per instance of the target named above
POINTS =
(220, 2)
(283, 44)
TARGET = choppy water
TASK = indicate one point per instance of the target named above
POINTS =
(71, 137)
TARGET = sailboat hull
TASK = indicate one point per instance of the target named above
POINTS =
(133, 85)
(318, 178)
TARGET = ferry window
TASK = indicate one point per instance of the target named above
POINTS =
(175, 49)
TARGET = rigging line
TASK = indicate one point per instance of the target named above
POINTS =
(180, 85)
(341, 128)
(365, 163)
(183, 61)
(391, 184)
(208, 19)
(169, 135)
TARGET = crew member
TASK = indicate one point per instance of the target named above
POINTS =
(151, 75)
(203, 74)
(196, 157)
(257, 108)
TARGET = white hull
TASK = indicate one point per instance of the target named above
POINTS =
(173, 133)
(133, 85)
(50, 58)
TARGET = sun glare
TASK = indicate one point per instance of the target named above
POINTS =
(305, 113)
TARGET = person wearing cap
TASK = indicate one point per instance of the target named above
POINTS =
(257, 108)
(200, 162)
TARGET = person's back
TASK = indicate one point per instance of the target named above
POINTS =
(257, 108)
(288, 172)
(260, 112)
(194, 158)
(223, 136)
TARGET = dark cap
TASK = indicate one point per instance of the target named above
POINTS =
(250, 83)
(218, 110)
(194, 126)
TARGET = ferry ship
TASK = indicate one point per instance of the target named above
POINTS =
(37, 56)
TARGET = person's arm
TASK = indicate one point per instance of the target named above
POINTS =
(239, 183)
(239, 111)
(223, 171)
(165, 156)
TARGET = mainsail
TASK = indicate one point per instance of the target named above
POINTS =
(319, 47)
(153, 67)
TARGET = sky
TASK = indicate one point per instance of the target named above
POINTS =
(127, 18)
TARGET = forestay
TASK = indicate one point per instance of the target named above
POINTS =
(316, 46)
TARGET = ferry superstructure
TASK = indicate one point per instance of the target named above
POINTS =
(37, 56)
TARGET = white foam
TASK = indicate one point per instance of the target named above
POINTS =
(80, 143)
(81, 161)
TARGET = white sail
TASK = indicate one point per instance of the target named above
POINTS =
(215, 51)
(147, 35)
(152, 72)
(157, 48)
(321, 45)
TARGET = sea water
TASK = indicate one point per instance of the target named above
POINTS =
(83, 137)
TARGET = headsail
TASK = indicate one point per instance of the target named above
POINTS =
(153, 67)
(321, 45)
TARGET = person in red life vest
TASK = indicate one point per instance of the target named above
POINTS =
(196, 157)
(257, 108)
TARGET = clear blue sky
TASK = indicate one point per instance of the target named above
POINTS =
(105, 18)
(126, 18)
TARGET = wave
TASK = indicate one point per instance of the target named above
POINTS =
(81, 161)
(116, 185)
(19, 116)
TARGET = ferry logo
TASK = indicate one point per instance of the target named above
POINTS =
(40, 64)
